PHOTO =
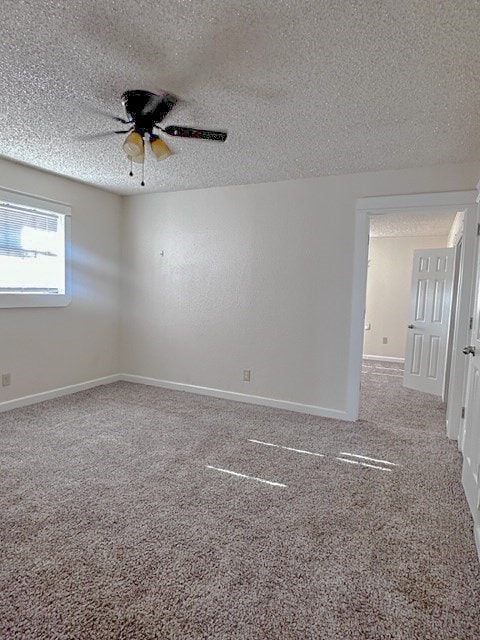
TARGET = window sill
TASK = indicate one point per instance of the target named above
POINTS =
(16, 301)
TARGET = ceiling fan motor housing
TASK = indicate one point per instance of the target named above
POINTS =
(147, 109)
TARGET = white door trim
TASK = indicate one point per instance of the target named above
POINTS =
(365, 207)
(461, 336)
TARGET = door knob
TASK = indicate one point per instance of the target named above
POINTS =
(410, 326)
(469, 350)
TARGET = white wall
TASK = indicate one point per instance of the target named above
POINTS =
(388, 291)
(254, 277)
(54, 347)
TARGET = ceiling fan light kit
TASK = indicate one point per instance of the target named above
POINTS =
(134, 144)
(160, 149)
(140, 159)
(145, 110)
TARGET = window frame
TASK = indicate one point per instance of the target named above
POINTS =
(40, 205)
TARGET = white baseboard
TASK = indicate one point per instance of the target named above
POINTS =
(238, 397)
(176, 386)
(384, 358)
(56, 393)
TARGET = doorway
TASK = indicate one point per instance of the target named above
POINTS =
(397, 242)
(420, 204)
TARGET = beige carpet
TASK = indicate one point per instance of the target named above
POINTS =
(120, 518)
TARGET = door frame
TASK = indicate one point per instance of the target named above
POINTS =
(415, 203)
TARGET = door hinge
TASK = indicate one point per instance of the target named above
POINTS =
(478, 229)
(463, 412)
(471, 323)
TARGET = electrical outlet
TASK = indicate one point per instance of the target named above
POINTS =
(385, 340)
(246, 375)
(6, 379)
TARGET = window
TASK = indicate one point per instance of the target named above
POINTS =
(34, 252)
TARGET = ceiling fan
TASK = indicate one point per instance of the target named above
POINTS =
(145, 110)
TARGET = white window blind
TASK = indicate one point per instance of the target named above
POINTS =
(33, 253)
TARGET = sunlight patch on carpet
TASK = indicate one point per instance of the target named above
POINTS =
(356, 455)
(363, 464)
(243, 475)
(281, 446)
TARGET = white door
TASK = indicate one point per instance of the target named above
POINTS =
(470, 433)
(429, 320)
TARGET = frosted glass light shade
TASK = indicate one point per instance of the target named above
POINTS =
(140, 159)
(133, 145)
(160, 149)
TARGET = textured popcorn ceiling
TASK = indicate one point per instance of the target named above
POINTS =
(304, 88)
(411, 224)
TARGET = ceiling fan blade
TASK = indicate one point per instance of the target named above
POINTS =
(100, 112)
(103, 134)
(189, 132)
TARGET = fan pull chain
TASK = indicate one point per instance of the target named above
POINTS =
(143, 171)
